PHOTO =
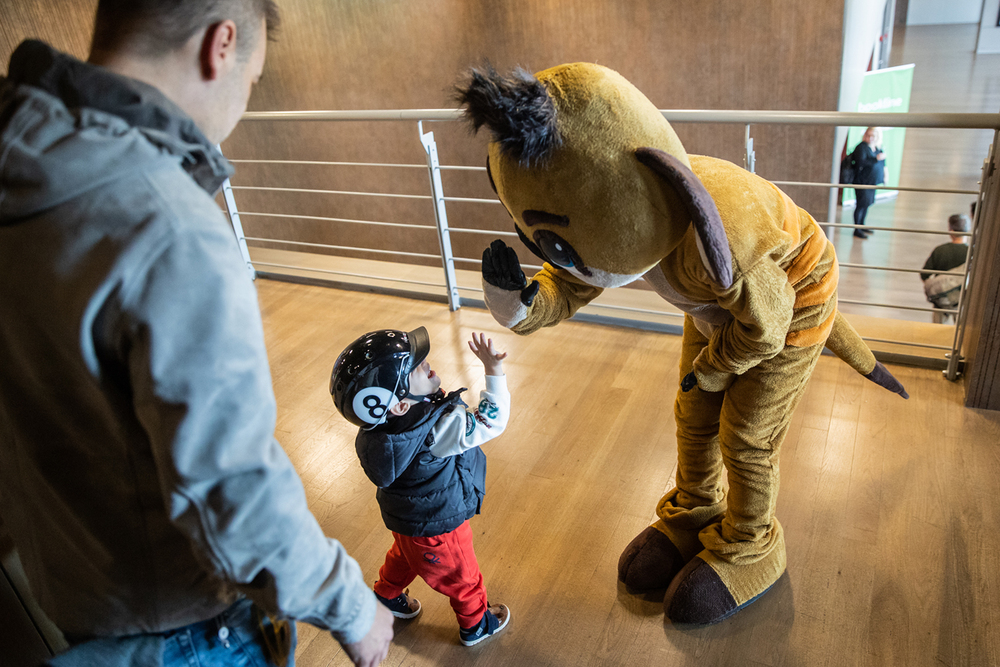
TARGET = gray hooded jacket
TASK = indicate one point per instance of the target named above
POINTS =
(139, 475)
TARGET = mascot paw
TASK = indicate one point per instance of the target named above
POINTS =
(698, 594)
(650, 561)
(507, 292)
(505, 306)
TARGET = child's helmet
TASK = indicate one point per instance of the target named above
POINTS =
(373, 373)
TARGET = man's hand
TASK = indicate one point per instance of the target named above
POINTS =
(502, 269)
(373, 647)
(482, 347)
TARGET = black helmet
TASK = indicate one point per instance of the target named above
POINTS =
(373, 374)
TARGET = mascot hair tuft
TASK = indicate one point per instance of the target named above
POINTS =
(517, 109)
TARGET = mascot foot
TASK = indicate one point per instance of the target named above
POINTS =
(700, 595)
(650, 561)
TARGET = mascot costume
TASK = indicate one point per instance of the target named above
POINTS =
(601, 190)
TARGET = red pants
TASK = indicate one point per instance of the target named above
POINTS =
(446, 562)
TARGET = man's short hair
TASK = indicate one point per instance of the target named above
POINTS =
(158, 27)
(959, 223)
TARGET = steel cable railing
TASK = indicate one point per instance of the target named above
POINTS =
(439, 199)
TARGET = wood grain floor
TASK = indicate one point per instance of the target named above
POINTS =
(888, 505)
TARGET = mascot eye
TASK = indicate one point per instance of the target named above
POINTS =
(556, 249)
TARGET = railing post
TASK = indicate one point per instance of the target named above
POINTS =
(986, 189)
(440, 216)
(234, 218)
(749, 159)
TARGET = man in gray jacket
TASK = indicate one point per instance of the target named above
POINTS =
(156, 515)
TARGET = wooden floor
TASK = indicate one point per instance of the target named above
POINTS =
(888, 505)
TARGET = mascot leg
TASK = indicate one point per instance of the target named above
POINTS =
(745, 553)
(658, 553)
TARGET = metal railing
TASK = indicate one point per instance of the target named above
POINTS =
(951, 364)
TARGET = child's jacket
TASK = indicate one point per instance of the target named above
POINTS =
(427, 463)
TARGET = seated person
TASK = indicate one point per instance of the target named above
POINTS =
(943, 290)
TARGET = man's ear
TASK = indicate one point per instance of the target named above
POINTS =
(218, 49)
(400, 408)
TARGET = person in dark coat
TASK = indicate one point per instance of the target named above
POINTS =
(869, 169)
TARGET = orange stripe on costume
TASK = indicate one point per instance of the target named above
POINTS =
(813, 335)
(821, 291)
(813, 248)
(808, 257)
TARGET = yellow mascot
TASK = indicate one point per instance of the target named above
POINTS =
(601, 189)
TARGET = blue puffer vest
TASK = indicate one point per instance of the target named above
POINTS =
(420, 494)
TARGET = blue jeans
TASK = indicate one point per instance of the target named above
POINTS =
(234, 637)
(238, 637)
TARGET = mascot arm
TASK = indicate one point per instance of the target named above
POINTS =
(560, 295)
(523, 306)
(761, 303)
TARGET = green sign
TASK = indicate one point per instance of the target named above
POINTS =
(884, 91)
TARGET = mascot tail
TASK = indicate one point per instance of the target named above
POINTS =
(846, 343)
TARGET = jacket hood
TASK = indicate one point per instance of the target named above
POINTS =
(67, 126)
(385, 455)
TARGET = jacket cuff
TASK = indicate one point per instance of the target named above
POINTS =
(361, 621)
(496, 384)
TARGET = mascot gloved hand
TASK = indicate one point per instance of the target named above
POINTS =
(601, 189)
(505, 289)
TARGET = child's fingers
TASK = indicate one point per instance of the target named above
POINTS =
(483, 348)
(496, 353)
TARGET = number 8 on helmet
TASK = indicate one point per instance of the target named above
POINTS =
(373, 373)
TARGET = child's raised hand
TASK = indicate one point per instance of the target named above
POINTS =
(482, 347)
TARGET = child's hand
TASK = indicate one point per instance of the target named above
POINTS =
(482, 347)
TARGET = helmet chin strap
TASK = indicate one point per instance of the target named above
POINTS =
(426, 398)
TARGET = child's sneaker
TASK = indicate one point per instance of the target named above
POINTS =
(402, 606)
(493, 621)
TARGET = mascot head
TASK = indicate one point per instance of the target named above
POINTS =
(595, 178)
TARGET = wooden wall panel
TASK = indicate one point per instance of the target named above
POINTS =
(365, 54)
(982, 337)
(65, 24)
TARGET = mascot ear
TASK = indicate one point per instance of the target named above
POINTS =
(701, 208)
(517, 109)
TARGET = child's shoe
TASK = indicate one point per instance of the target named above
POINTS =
(493, 621)
(402, 606)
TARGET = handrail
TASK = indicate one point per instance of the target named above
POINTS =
(964, 121)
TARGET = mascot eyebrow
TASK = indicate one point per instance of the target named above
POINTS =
(532, 218)
(516, 108)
